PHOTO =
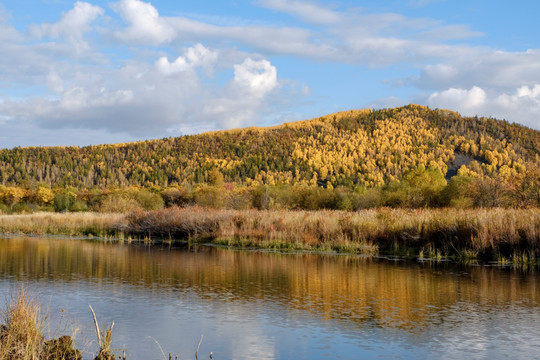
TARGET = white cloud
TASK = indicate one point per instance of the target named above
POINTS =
(486, 68)
(337, 36)
(448, 32)
(151, 87)
(304, 10)
(196, 56)
(54, 82)
(142, 99)
(145, 24)
(521, 105)
(7, 32)
(258, 77)
(466, 100)
(245, 99)
(72, 25)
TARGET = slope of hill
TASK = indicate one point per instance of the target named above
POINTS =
(353, 148)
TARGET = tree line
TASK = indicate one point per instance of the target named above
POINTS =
(374, 157)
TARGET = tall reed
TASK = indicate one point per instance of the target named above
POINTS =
(46, 223)
(487, 233)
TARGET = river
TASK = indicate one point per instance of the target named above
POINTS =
(267, 305)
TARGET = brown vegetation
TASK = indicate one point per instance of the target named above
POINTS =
(21, 333)
(496, 233)
(483, 233)
(72, 224)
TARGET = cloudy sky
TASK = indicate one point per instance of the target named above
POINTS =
(78, 73)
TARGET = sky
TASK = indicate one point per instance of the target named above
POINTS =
(80, 73)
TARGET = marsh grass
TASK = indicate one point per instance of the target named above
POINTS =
(507, 235)
(435, 233)
(72, 224)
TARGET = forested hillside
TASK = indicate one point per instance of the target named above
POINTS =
(354, 149)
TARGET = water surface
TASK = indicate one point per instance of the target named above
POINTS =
(263, 305)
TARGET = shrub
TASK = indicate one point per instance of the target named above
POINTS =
(211, 196)
(64, 200)
(149, 201)
(78, 205)
(118, 204)
(23, 208)
(178, 196)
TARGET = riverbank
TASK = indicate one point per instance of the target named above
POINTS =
(67, 223)
(505, 235)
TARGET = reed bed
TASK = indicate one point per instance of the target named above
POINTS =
(507, 235)
(474, 233)
(72, 224)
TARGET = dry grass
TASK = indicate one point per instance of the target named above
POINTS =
(94, 224)
(21, 333)
(509, 234)
(486, 233)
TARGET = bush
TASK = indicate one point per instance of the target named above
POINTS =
(457, 193)
(149, 201)
(118, 204)
(176, 196)
(64, 200)
(78, 205)
(367, 198)
(4, 209)
(211, 196)
(23, 208)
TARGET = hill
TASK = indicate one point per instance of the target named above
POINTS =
(365, 148)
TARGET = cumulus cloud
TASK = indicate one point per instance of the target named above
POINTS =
(145, 24)
(244, 99)
(498, 69)
(467, 100)
(257, 77)
(521, 105)
(72, 25)
(196, 56)
(153, 100)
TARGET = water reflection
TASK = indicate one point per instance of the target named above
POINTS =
(333, 305)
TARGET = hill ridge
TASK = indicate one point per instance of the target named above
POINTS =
(351, 148)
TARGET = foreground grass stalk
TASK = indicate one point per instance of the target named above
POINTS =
(104, 340)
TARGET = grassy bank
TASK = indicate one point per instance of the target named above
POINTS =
(506, 235)
(71, 224)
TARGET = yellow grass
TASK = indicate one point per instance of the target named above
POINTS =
(457, 232)
(509, 234)
(21, 330)
(72, 224)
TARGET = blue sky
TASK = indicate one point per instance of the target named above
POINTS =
(79, 73)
